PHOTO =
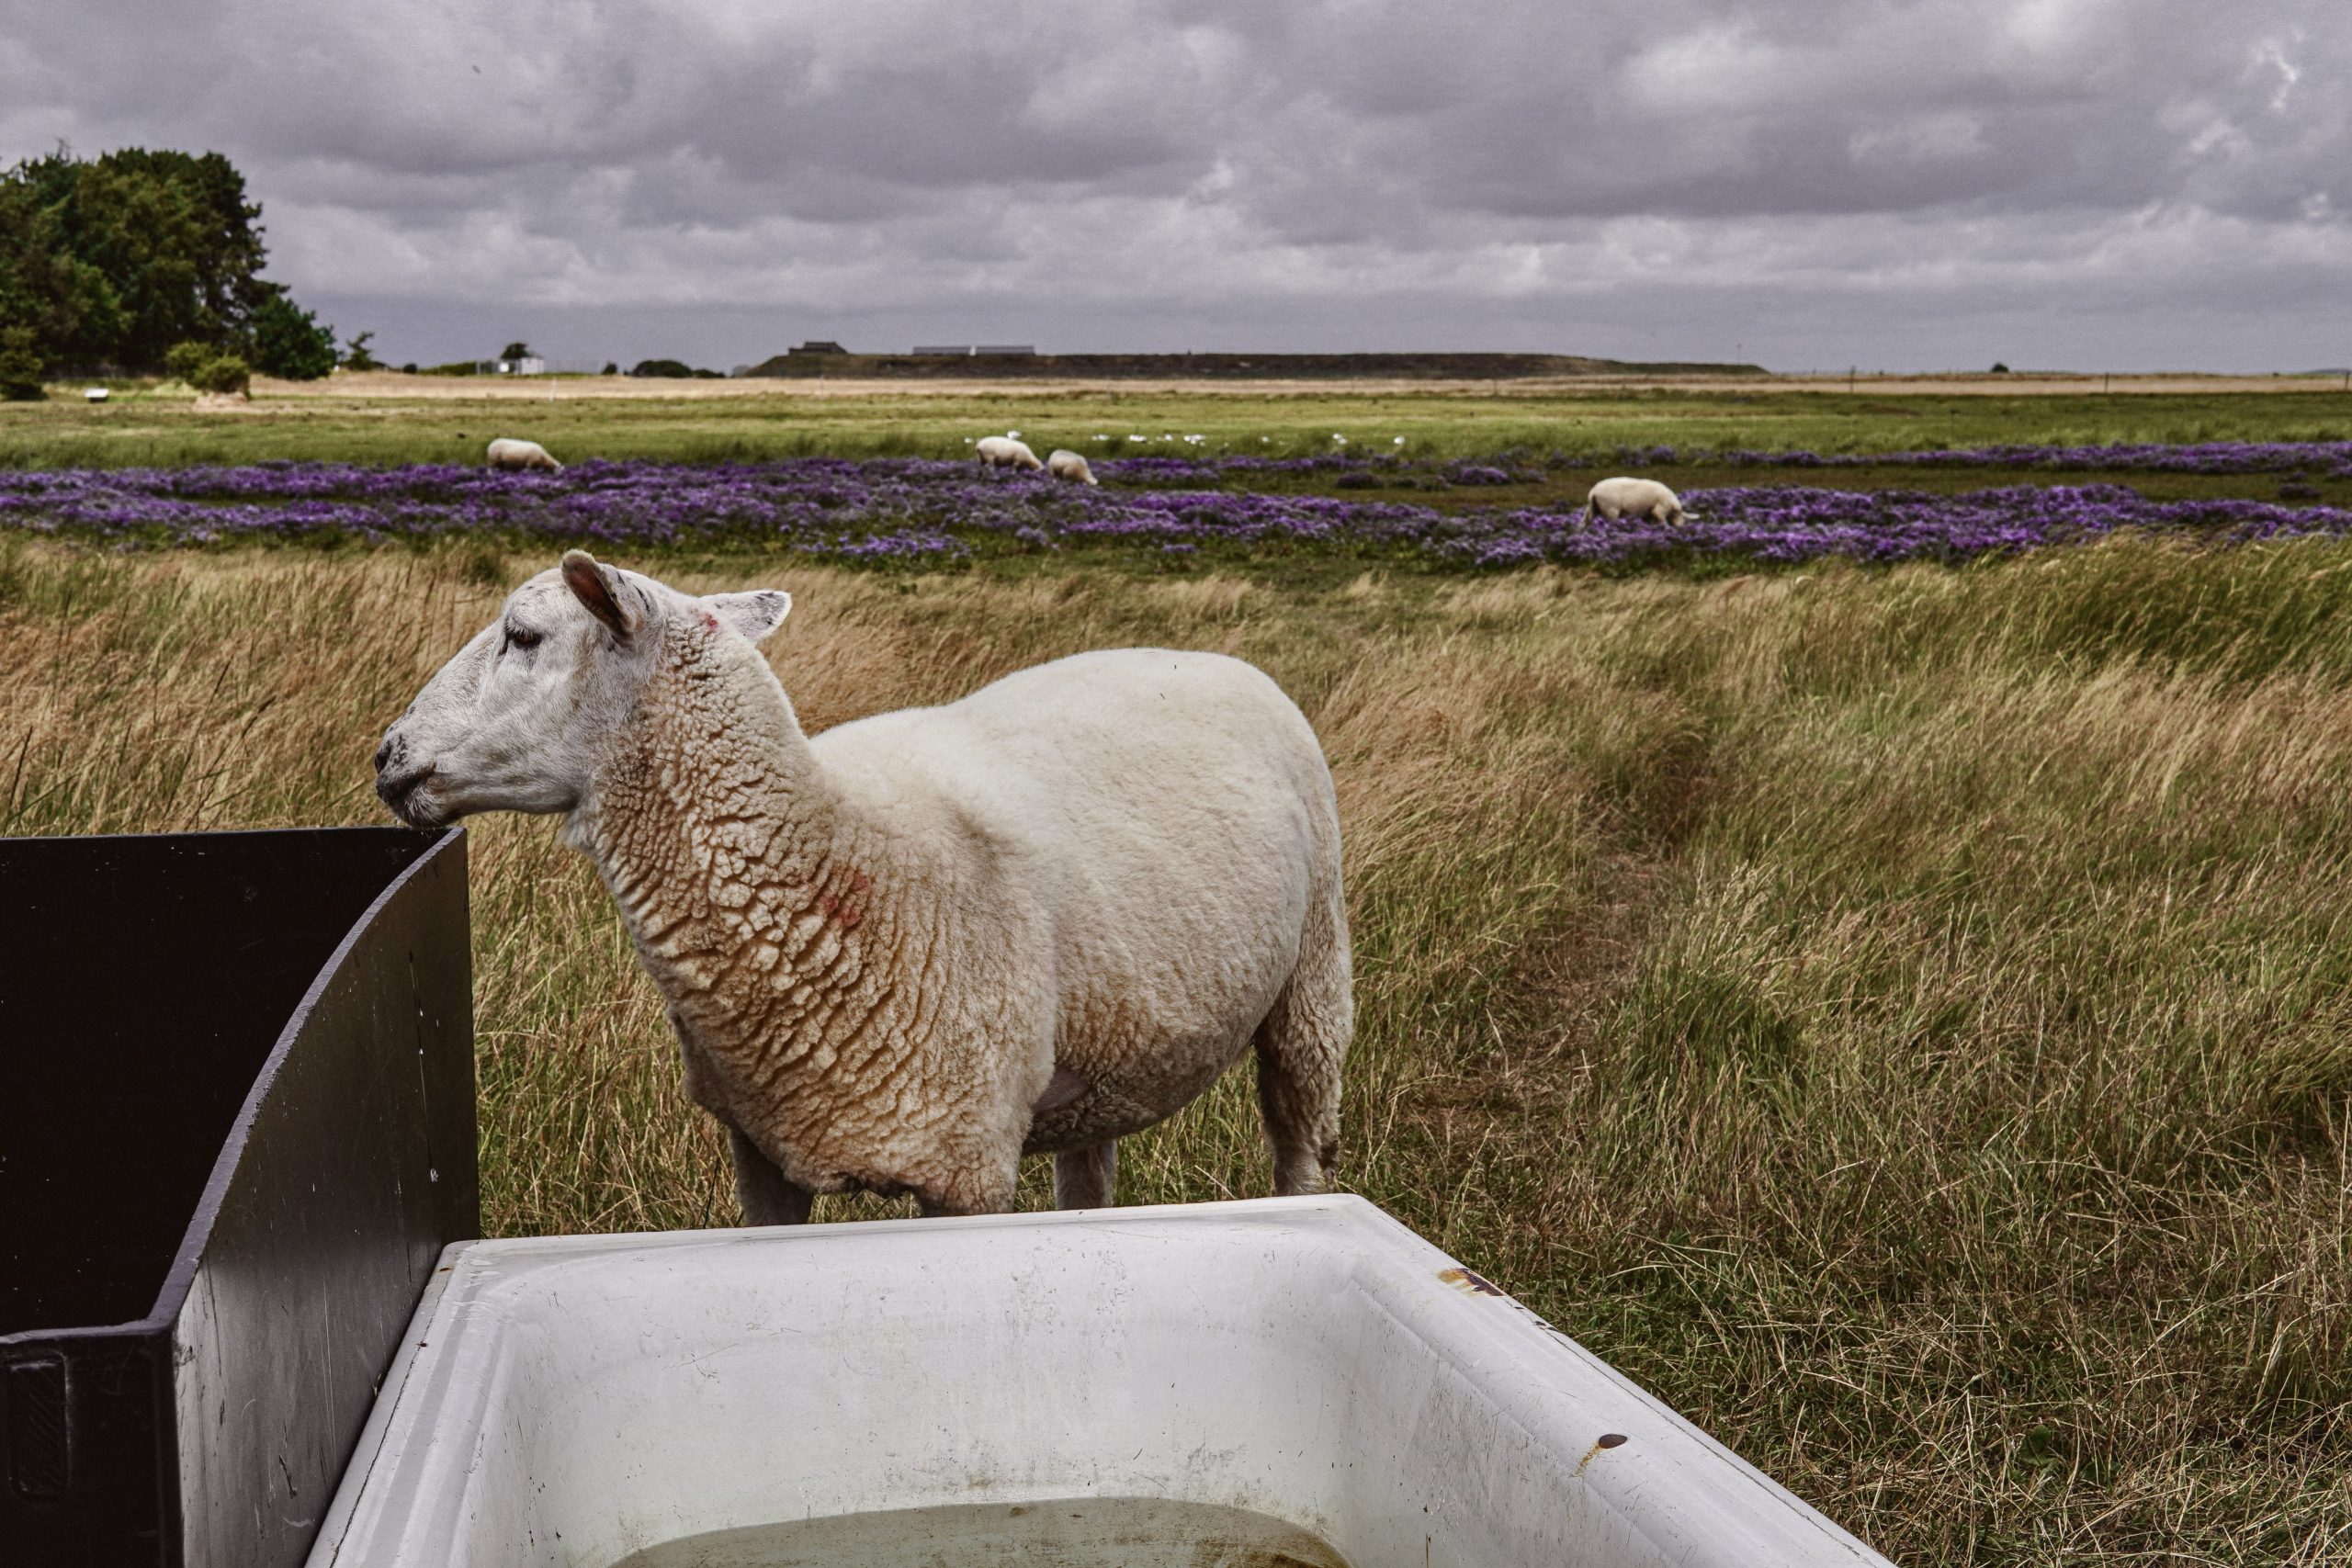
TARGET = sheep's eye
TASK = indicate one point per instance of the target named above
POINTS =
(517, 638)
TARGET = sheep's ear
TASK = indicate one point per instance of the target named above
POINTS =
(754, 615)
(598, 591)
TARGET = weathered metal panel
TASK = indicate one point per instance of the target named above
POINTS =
(248, 1129)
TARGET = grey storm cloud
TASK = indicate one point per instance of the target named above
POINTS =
(2126, 183)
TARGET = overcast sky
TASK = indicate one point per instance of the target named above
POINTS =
(1808, 183)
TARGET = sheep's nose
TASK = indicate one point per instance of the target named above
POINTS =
(386, 751)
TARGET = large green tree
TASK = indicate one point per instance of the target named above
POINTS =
(45, 290)
(115, 259)
(20, 365)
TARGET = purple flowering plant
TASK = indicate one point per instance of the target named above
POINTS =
(929, 513)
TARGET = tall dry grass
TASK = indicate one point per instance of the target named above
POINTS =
(1902, 1017)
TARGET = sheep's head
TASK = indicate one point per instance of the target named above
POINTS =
(520, 717)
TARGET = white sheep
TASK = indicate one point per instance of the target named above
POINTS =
(1621, 497)
(903, 953)
(1065, 464)
(1005, 452)
(508, 453)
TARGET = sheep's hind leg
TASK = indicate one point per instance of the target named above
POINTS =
(766, 1197)
(1087, 1178)
(1301, 1046)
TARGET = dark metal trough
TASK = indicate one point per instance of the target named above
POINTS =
(236, 1129)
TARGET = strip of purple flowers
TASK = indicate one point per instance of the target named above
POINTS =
(2321, 459)
(2331, 460)
(918, 511)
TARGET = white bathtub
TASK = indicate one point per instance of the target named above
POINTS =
(579, 1399)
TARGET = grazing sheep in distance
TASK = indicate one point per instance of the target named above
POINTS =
(1065, 464)
(1003, 451)
(903, 954)
(507, 453)
(1618, 498)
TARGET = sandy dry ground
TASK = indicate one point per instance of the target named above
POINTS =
(380, 386)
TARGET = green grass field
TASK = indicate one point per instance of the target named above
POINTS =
(450, 421)
(1901, 1017)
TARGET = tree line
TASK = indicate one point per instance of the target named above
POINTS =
(143, 261)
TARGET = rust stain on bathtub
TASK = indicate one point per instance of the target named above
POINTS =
(1606, 1441)
(1463, 1280)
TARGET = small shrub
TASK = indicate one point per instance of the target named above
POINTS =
(1999, 368)
(224, 373)
(357, 355)
(289, 342)
(674, 370)
(183, 360)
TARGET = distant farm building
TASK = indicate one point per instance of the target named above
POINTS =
(944, 351)
(1004, 351)
(818, 346)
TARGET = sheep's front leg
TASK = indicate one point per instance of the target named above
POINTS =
(766, 1197)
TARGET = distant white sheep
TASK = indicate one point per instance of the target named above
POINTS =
(900, 954)
(1621, 497)
(1004, 451)
(1065, 464)
(521, 455)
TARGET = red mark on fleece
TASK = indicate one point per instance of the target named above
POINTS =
(839, 904)
(710, 620)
